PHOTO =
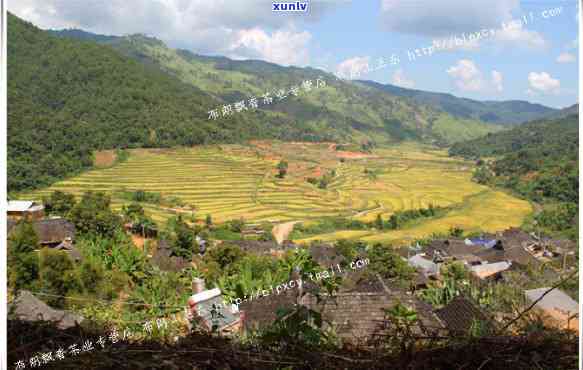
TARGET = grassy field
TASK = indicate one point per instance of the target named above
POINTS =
(234, 181)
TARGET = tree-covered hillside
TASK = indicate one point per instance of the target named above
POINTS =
(365, 113)
(74, 92)
(539, 160)
(510, 112)
(67, 98)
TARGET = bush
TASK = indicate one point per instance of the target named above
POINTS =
(91, 275)
(57, 276)
(23, 238)
(92, 215)
(59, 203)
(236, 225)
(386, 262)
(23, 271)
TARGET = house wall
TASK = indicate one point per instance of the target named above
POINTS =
(30, 216)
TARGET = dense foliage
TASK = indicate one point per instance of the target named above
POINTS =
(397, 220)
(68, 97)
(499, 112)
(538, 160)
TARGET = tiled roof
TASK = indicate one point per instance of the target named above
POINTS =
(355, 313)
(27, 307)
(452, 248)
(515, 253)
(255, 246)
(354, 316)
(70, 248)
(261, 312)
(459, 315)
(50, 231)
(166, 260)
(54, 230)
(326, 255)
(555, 299)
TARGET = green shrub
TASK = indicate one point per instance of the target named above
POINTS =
(57, 276)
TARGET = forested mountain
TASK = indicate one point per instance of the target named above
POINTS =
(67, 98)
(72, 92)
(539, 160)
(497, 112)
(360, 108)
(561, 113)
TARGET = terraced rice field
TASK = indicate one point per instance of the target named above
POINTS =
(234, 181)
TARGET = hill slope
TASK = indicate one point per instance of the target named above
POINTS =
(68, 96)
(365, 111)
(539, 160)
(496, 112)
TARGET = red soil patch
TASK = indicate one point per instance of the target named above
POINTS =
(354, 155)
(317, 172)
(261, 144)
(104, 158)
(138, 241)
(530, 176)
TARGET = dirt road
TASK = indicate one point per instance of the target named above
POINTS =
(280, 232)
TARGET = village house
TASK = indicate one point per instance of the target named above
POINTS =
(428, 267)
(557, 308)
(207, 311)
(490, 270)
(454, 250)
(509, 246)
(166, 260)
(27, 307)
(55, 233)
(326, 255)
(461, 315)
(24, 209)
(357, 313)
(262, 247)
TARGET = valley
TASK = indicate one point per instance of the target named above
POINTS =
(230, 182)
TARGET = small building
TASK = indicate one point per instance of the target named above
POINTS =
(51, 232)
(427, 266)
(166, 260)
(24, 209)
(453, 249)
(67, 246)
(326, 255)
(557, 307)
(357, 314)
(262, 247)
(490, 270)
(27, 307)
(460, 315)
(517, 254)
(208, 311)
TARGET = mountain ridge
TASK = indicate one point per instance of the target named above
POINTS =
(505, 112)
(514, 111)
(74, 92)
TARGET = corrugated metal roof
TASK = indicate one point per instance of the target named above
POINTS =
(19, 205)
(490, 268)
(423, 263)
(555, 299)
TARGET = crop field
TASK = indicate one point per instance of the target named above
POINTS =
(239, 181)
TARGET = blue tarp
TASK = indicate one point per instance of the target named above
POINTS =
(488, 243)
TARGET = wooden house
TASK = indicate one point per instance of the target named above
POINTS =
(24, 209)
